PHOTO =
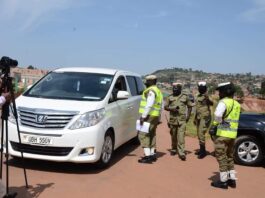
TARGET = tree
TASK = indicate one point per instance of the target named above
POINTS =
(239, 92)
(30, 67)
(248, 74)
(171, 78)
(262, 89)
(211, 88)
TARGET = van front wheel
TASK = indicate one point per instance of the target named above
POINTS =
(107, 151)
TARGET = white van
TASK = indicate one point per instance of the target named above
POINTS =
(77, 114)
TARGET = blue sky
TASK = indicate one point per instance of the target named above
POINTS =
(225, 36)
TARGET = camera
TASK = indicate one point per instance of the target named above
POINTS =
(7, 62)
(6, 86)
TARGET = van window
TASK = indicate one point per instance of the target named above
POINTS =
(132, 85)
(120, 85)
(140, 85)
(72, 86)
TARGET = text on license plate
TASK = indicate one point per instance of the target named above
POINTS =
(36, 140)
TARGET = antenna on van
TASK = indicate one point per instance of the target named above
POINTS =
(5, 64)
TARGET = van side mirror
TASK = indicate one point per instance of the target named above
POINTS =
(121, 95)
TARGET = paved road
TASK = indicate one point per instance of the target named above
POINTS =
(168, 177)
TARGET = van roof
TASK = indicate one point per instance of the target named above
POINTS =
(87, 70)
(93, 70)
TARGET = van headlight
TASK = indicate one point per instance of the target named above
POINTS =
(88, 119)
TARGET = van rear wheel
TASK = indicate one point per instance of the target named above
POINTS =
(107, 151)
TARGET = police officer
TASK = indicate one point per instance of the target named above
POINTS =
(224, 133)
(150, 110)
(179, 106)
(202, 118)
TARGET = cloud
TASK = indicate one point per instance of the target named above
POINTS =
(31, 13)
(256, 13)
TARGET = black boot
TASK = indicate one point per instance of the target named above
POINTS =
(146, 160)
(197, 152)
(202, 152)
(219, 184)
(11, 195)
(231, 183)
(182, 157)
(173, 152)
(153, 157)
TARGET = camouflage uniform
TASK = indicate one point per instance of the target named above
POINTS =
(148, 140)
(177, 121)
(224, 150)
(202, 117)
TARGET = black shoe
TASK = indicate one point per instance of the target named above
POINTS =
(146, 160)
(12, 195)
(182, 157)
(153, 157)
(202, 151)
(197, 152)
(231, 183)
(172, 153)
(202, 155)
(219, 184)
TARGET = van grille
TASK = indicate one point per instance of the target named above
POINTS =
(41, 150)
(44, 118)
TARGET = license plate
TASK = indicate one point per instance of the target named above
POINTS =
(40, 140)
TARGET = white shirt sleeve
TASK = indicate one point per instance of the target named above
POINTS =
(2, 100)
(219, 111)
(149, 103)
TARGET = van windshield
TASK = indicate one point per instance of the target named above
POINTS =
(72, 86)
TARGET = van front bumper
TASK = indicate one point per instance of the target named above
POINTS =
(65, 146)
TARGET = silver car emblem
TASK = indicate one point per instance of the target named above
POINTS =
(41, 118)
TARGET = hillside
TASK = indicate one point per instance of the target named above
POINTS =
(253, 105)
(250, 84)
(247, 83)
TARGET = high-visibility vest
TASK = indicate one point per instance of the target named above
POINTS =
(228, 128)
(156, 108)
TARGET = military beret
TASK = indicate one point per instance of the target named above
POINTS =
(151, 77)
(202, 83)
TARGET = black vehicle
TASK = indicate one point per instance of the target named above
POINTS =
(250, 142)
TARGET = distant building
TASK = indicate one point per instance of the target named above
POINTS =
(25, 77)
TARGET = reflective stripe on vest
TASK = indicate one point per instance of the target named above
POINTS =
(156, 108)
(228, 128)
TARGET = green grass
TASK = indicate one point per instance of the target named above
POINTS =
(190, 128)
